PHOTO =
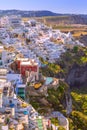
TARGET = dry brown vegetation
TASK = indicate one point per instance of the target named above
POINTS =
(76, 29)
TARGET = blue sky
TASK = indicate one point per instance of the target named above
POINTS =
(59, 6)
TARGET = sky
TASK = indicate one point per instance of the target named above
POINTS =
(57, 6)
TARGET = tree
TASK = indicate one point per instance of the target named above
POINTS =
(75, 49)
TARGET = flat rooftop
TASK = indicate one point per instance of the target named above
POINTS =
(21, 85)
(3, 71)
(2, 80)
(1, 47)
(29, 63)
(22, 59)
(13, 77)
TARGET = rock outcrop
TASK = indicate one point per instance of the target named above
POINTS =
(77, 76)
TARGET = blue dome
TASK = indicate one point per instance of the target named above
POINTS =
(12, 105)
(25, 112)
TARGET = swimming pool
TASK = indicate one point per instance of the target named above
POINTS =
(43, 65)
(48, 80)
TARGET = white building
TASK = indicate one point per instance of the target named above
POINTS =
(15, 21)
(4, 21)
(1, 94)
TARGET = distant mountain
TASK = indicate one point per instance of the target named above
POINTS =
(28, 13)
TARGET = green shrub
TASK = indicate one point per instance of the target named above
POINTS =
(61, 128)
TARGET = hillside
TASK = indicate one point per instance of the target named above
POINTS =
(64, 20)
(73, 66)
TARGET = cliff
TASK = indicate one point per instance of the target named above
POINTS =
(77, 76)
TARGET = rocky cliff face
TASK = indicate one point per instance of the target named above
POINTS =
(77, 76)
(83, 39)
